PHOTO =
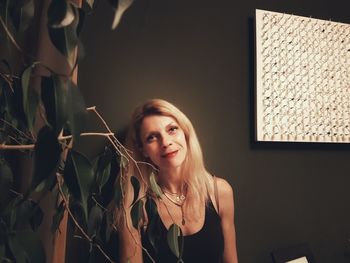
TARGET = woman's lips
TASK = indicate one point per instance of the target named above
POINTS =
(170, 154)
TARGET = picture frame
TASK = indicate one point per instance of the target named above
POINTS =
(302, 71)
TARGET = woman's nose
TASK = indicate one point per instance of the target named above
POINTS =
(166, 141)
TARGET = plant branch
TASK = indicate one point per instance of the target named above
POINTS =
(13, 127)
(76, 222)
(10, 35)
(17, 147)
(61, 137)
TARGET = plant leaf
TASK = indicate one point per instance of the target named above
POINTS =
(27, 14)
(54, 94)
(123, 162)
(30, 97)
(103, 168)
(90, 3)
(123, 5)
(118, 192)
(31, 245)
(154, 186)
(154, 221)
(59, 13)
(137, 213)
(6, 181)
(30, 212)
(16, 249)
(46, 155)
(83, 177)
(172, 239)
(95, 220)
(77, 119)
(136, 186)
(65, 35)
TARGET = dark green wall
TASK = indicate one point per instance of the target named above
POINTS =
(198, 54)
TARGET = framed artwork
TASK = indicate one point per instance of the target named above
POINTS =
(302, 79)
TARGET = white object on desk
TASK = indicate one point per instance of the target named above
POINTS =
(299, 260)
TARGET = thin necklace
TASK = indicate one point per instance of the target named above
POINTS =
(179, 197)
(182, 199)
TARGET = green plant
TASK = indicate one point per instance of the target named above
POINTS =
(42, 114)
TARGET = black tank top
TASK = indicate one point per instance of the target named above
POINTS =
(204, 246)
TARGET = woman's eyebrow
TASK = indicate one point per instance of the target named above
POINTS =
(172, 123)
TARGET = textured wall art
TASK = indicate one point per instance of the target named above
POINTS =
(302, 79)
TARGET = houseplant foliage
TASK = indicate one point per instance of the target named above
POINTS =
(42, 114)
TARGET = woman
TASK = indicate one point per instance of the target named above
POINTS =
(162, 139)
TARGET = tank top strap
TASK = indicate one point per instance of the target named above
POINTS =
(216, 193)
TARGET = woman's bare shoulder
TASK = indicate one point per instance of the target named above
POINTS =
(224, 187)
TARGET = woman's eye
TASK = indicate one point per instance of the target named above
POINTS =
(150, 138)
(173, 129)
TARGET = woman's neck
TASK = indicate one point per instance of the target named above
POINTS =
(171, 181)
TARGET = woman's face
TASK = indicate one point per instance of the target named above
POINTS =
(163, 141)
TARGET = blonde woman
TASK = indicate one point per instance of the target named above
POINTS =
(201, 204)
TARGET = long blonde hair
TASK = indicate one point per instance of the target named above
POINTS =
(195, 176)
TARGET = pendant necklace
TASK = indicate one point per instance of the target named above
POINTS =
(177, 200)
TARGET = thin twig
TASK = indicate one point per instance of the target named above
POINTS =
(17, 147)
(13, 127)
(16, 193)
(10, 35)
(116, 144)
(61, 137)
(116, 141)
(97, 203)
(8, 79)
(128, 225)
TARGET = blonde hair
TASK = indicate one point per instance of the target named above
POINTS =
(195, 176)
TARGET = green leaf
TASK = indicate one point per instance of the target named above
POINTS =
(77, 119)
(118, 191)
(30, 97)
(58, 11)
(153, 221)
(16, 249)
(64, 36)
(104, 176)
(29, 212)
(137, 213)
(36, 218)
(90, 3)
(173, 239)
(46, 184)
(154, 186)
(151, 208)
(55, 97)
(123, 162)
(27, 14)
(31, 245)
(102, 167)
(136, 186)
(6, 181)
(83, 173)
(46, 155)
(57, 218)
(123, 5)
(95, 219)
